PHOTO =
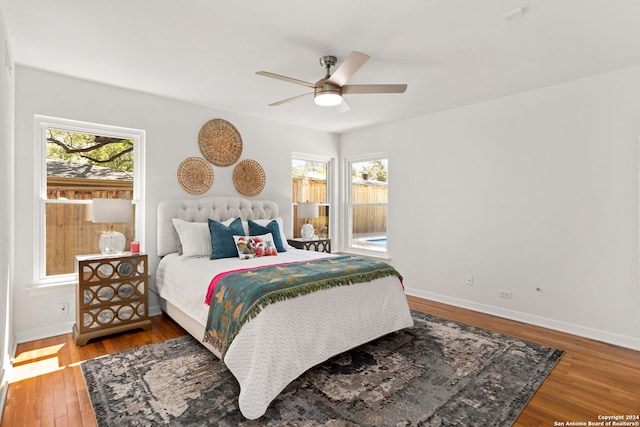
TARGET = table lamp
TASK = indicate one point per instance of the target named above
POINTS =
(307, 210)
(111, 211)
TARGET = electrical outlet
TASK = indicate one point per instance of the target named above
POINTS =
(63, 309)
(469, 279)
(505, 294)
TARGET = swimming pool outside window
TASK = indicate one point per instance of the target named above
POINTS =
(367, 203)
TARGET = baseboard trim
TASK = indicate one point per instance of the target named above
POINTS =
(63, 328)
(556, 325)
(155, 310)
(46, 332)
(582, 331)
(4, 387)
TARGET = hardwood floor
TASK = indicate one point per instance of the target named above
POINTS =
(592, 379)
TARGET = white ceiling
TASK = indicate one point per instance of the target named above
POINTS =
(449, 52)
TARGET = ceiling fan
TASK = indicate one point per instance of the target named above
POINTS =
(328, 90)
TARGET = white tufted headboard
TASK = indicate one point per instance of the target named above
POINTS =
(219, 208)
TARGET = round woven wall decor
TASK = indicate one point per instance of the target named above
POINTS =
(220, 142)
(195, 175)
(249, 178)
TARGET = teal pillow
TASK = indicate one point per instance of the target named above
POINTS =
(256, 229)
(222, 243)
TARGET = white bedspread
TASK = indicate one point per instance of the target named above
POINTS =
(289, 337)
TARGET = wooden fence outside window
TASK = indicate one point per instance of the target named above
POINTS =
(69, 229)
(367, 220)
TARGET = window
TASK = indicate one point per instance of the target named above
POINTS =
(311, 182)
(77, 163)
(367, 203)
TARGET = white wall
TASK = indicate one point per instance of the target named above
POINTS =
(537, 190)
(7, 87)
(171, 131)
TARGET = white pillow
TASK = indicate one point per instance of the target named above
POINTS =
(195, 238)
(255, 246)
(264, 222)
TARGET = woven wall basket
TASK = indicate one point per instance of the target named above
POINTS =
(220, 142)
(249, 178)
(195, 175)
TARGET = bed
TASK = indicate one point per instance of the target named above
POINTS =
(285, 338)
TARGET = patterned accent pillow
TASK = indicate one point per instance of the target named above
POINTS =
(255, 246)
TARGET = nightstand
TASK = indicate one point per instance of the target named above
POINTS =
(111, 295)
(316, 244)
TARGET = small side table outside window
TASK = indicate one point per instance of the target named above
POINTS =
(317, 244)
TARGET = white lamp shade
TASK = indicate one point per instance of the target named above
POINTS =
(308, 210)
(111, 210)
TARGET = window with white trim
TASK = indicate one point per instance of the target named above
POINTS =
(77, 162)
(367, 203)
(311, 182)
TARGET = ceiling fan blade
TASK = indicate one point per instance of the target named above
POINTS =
(294, 98)
(353, 89)
(351, 64)
(285, 78)
(343, 107)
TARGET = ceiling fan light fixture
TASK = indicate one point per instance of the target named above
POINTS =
(328, 91)
(327, 96)
(328, 99)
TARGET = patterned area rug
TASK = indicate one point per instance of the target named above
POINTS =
(438, 373)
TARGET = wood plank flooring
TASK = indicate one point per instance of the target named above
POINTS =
(591, 379)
